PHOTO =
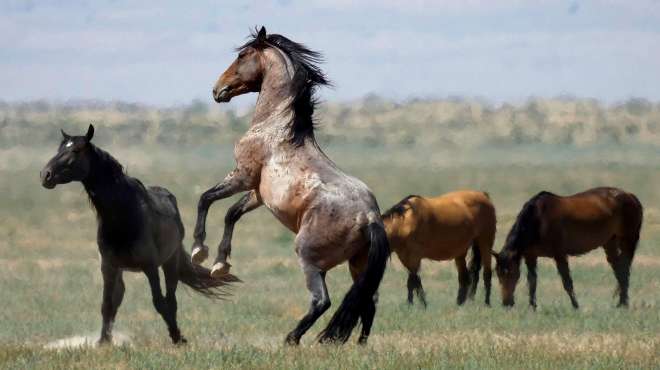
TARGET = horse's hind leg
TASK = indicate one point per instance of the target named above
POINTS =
(485, 246)
(356, 266)
(171, 272)
(113, 294)
(463, 279)
(565, 273)
(320, 302)
(162, 304)
(620, 262)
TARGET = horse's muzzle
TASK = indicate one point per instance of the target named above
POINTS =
(46, 176)
(222, 95)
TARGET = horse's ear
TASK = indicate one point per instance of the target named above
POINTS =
(261, 36)
(65, 135)
(90, 133)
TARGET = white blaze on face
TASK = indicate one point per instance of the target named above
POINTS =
(69, 144)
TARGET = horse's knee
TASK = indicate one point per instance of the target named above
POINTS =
(205, 200)
(159, 304)
(321, 305)
(106, 309)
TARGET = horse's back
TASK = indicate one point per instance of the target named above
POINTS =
(461, 207)
(165, 206)
(444, 227)
(164, 202)
(594, 205)
(591, 218)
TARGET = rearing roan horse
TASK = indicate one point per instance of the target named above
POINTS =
(335, 216)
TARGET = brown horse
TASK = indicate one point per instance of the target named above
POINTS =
(335, 217)
(553, 226)
(444, 228)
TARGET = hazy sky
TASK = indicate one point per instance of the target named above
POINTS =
(167, 52)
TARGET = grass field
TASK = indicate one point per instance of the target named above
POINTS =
(50, 279)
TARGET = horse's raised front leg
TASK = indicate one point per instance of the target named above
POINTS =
(247, 203)
(530, 262)
(232, 184)
(320, 302)
(356, 266)
(113, 294)
(565, 273)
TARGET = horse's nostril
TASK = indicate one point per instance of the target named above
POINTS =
(48, 175)
(215, 92)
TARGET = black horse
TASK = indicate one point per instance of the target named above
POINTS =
(139, 229)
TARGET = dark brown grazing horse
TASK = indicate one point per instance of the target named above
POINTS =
(335, 216)
(139, 229)
(444, 228)
(553, 226)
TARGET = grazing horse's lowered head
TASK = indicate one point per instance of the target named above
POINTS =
(524, 232)
(507, 267)
(72, 161)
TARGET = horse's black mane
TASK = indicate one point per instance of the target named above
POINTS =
(116, 198)
(400, 208)
(525, 230)
(307, 76)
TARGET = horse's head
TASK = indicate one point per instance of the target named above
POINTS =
(507, 267)
(72, 161)
(245, 74)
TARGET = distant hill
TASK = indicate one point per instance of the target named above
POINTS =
(371, 121)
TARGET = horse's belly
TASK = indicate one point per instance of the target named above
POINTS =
(583, 244)
(443, 242)
(587, 238)
(444, 251)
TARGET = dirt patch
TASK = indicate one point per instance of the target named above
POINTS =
(89, 340)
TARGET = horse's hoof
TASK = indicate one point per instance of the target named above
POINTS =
(220, 269)
(181, 342)
(199, 254)
(291, 341)
(104, 341)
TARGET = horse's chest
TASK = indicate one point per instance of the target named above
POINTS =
(284, 190)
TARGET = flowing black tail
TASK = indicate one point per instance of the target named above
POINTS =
(359, 298)
(200, 280)
(473, 270)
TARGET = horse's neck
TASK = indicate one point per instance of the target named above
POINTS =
(512, 253)
(112, 196)
(274, 113)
